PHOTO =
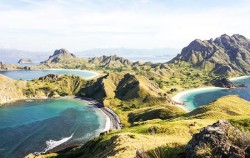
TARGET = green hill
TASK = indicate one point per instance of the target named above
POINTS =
(228, 55)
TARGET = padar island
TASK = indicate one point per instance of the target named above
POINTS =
(145, 104)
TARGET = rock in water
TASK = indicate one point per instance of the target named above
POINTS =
(25, 61)
(220, 140)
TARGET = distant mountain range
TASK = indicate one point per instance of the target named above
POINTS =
(226, 55)
(153, 55)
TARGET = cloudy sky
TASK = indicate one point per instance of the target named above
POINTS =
(87, 24)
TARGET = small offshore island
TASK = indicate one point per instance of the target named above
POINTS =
(141, 101)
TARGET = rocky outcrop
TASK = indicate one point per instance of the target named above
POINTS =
(220, 140)
(227, 55)
(25, 61)
(226, 83)
(59, 55)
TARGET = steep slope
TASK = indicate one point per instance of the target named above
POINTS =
(228, 55)
(60, 55)
(125, 87)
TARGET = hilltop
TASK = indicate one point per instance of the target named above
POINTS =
(60, 55)
(228, 55)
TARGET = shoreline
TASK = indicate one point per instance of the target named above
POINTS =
(112, 122)
(178, 97)
(94, 73)
(238, 78)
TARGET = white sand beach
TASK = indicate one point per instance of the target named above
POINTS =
(92, 72)
(178, 97)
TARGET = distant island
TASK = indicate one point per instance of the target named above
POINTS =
(25, 61)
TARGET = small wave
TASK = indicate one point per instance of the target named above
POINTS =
(54, 143)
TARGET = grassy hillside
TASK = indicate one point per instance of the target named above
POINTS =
(165, 137)
(225, 107)
(125, 92)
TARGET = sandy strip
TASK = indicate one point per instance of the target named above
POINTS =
(239, 78)
(92, 72)
(178, 97)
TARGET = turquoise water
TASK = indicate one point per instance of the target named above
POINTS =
(26, 126)
(32, 74)
(203, 97)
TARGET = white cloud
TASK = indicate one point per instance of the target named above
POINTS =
(50, 25)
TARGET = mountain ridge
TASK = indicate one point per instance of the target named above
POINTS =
(227, 55)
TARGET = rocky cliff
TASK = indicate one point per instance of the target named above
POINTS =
(226, 55)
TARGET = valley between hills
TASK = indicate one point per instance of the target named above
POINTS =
(140, 94)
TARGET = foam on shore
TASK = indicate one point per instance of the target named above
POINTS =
(239, 78)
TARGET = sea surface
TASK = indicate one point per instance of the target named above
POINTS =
(203, 97)
(39, 125)
(32, 74)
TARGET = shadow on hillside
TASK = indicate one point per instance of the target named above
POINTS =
(167, 151)
(96, 148)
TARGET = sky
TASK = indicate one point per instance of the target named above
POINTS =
(44, 25)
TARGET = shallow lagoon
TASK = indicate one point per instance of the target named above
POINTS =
(32, 74)
(36, 126)
(203, 97)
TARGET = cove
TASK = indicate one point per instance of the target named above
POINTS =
(32, 74)
(39, 125)
(203, 97)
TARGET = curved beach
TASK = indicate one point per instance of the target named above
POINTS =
(178, 97)
(112, 122)
(95, 74)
